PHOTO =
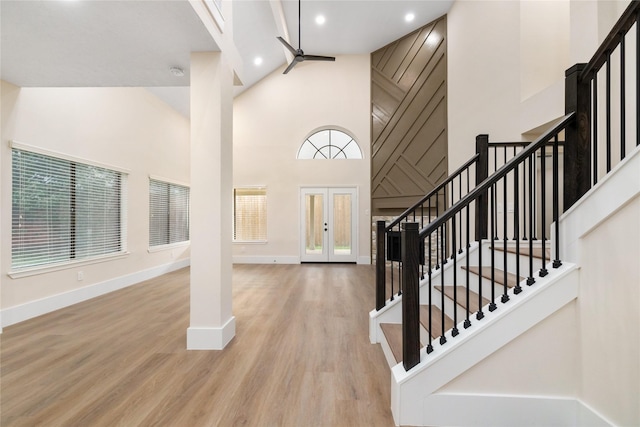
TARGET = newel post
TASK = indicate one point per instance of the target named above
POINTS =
(410, 249)
(380, 264)
(577, 147)
(482, 172)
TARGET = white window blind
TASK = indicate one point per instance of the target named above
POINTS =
(168, 213)
(63, 210)
(250, 214)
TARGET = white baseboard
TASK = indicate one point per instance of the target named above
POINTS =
(266, 259)
(366, 260)
(502, 410)
(211, 338)
(29, 310)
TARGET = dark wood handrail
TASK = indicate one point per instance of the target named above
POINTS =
(437, 189)
(626, 21)
(497, 175)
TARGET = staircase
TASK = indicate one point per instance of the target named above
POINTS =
(459, 302)
(451, 357)
(467, 289)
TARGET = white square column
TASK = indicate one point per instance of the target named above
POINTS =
(212, 324)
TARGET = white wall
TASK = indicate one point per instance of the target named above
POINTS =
(609, 314)
(595, 342)
(127, 128)
(483, 74)
(271, 121)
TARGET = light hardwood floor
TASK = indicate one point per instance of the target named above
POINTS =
(301, 356)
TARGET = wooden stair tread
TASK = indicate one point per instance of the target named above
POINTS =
(512, 280)
(436, 320)
(524, 251)
(462, 299)
(393, 334)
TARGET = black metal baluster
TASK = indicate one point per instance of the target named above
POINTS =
(467, 322)
(524, 200)
(622, 98)
(460, 214)
(516, 227)
(530, 279)
(556, 201)
(444, 228)
(505, 296)
(533, 231)
(543, 271)
(637, 71)
(494, 214)
(391, 271)
(430, 346)
(608, 110)
(594, 144)
(421, 227)
(492, 305)
(479, 314)
(443, 339)
(515, 203)
(437, 231)
(504, 201)
(453, 234)
(455, 331)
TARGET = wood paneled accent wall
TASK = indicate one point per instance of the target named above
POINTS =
(408, 118)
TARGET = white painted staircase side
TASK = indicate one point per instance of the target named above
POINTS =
(413, 392)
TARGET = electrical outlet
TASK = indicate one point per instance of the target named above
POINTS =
(80, 276)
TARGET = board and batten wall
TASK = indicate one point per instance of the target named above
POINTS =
(128, 128)
(408, 118)
(272, 119)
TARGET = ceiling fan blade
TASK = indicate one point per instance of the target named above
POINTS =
(318, 58)
(290, 67)
(293, 51)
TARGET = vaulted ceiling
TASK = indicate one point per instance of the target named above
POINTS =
(135, 42)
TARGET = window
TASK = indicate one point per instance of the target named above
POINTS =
(168, 213)
(63, 210)
(330, 144)
(250, 214)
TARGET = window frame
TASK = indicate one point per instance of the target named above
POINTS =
(170, 183)
(327, 148)
(72, 261)
(233, 214)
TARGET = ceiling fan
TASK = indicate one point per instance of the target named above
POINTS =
(298, 54)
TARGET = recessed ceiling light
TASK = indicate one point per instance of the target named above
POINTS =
(257, 61)
(176, 71)
(320, 20)
(409, 17)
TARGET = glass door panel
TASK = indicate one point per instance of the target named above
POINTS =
(341, 224)
(314, 224)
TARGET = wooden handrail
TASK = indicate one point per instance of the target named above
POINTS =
(622, 26)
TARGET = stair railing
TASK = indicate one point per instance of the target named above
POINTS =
(516, 198)
(596, 94)
(518, 214)
(389, 278)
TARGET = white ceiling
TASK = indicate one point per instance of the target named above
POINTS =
(135, 42)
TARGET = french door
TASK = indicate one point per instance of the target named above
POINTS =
(328, 230)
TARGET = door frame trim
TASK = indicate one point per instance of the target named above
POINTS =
(354, 222)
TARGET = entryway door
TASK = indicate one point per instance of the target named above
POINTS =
(328, 225)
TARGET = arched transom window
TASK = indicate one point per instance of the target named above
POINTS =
(330, 144)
